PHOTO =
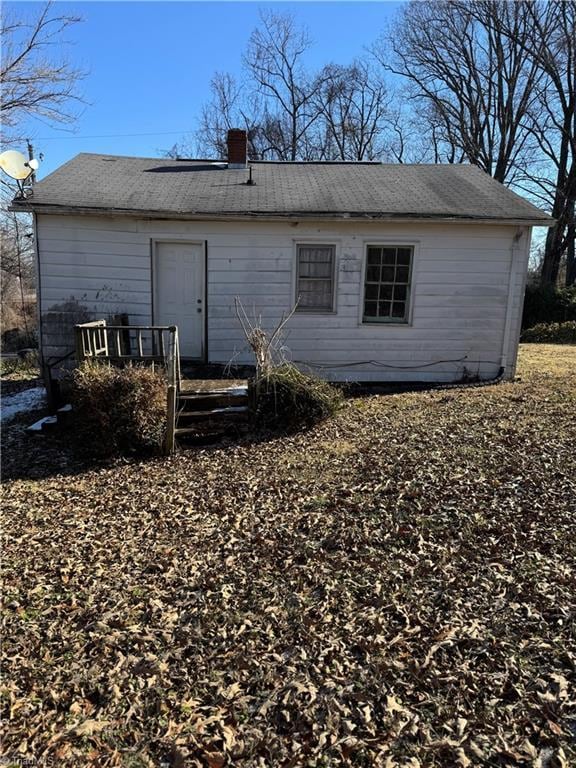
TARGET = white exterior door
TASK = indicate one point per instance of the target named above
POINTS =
(179, 293)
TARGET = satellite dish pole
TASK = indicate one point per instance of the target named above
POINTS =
(31, 157)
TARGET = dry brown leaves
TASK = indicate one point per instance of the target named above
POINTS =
(393, 588)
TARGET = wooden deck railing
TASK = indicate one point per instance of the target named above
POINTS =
(118, 344)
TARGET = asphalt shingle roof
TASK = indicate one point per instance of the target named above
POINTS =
(331, 190)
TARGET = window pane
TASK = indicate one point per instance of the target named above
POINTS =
(316, 293)
(400, 292)
(315, 287)
(384, 308)
(372, 291)
(374, 256)
(315, 300)
(387, 274)
(386, 292)
(373, 274)
(309, 285)
(315, 253)
(370, 308)
(387, 283)
(316, 269)
(402, 274)
(389, 256)
(404, 255)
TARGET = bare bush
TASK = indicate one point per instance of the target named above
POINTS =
(282, 396)
(119, 410)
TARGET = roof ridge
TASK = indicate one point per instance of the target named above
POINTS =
(277, 162)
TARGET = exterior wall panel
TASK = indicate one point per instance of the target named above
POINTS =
(93, 267)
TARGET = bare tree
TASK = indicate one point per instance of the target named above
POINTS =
(494, 84)
(414, 134)
(290, 113)
(232, 106)
(552, 48)
(353, 104)
(470, 77)
(275, 102)
(34, 81)
(16, 274)
(275, 62)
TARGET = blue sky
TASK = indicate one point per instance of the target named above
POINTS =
(149, 64)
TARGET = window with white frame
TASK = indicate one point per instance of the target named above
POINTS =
(315, 268)
(387, 283)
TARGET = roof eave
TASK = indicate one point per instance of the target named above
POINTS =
(31, 206)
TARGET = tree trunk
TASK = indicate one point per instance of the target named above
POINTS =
(571, 249)
(554, 239)
(552, 256)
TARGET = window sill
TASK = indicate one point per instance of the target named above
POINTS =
(385, 323)
(315, 312)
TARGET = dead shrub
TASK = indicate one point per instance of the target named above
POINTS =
(288, 399)
(119, 410)
(282, 397)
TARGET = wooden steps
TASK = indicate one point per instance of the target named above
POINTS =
(207, 411)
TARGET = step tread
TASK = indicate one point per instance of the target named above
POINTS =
(202, 417)
(219, 411)
(213, 402)
(213, 395)
(183, 431)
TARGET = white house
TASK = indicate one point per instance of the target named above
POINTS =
(403, 272)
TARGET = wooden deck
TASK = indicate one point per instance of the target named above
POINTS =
(200, 400)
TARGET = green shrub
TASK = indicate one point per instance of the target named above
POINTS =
(550, 333)
(547, 304)
(119, 410)
(287, 399)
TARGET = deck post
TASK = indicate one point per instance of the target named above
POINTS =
(173, 364)
(170, 442)
(79, 331)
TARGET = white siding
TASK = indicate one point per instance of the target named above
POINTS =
(101, 266)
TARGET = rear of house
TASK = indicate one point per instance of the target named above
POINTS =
(399, 273)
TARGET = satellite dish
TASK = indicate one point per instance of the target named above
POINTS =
(34, 164)
(15, 165)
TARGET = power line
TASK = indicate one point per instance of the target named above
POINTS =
(110, 135)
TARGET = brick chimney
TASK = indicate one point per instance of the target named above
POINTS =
(237, 148)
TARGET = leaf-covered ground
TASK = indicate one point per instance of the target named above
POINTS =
(394, 588)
